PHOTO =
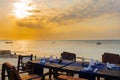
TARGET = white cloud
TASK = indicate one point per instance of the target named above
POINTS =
(67, 11)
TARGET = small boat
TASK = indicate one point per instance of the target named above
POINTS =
(8, 42)
(98, 43)
(53, 42)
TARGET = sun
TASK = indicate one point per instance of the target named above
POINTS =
(23, 9)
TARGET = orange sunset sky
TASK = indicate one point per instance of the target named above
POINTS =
(59, 19)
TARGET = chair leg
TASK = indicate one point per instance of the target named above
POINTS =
(55, 74)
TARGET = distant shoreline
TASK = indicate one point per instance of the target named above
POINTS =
(7, 54)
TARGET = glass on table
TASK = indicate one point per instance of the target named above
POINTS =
(51, 59)
(58, 59)
(83, 61)
(43, 60)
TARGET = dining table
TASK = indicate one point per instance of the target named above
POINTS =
(98, 70)
(54, 65)
(77, 67)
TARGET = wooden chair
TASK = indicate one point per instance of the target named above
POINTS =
(23, 62)
(68, 56)
(111, 58)
(82, 76)
(12, 73)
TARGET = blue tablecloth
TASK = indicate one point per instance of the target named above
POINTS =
(116, 68)
(103, 66)
(76, 64)
(99, 66)
(62, 63)
(56, 61)
(90, 75)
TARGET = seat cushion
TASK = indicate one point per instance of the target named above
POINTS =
(33, 77)
(65, 77)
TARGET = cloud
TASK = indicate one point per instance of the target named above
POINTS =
(94, 9)
(68, 11)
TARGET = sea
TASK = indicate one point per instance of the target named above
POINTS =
(90, 49)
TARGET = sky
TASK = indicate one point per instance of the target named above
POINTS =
(59, 19)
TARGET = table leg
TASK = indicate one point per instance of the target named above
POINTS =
(50, 74)
(55, 74)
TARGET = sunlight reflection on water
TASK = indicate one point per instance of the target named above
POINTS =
(88, 48)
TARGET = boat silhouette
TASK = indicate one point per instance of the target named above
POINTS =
(98, 43)
(8, 42)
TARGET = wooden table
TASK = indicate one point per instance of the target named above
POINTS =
(76, 67)
(53, 66)
(108, 74)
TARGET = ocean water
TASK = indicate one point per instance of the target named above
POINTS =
(82, 48)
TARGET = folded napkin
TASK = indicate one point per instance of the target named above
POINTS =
(88, 69)
(112, 66)
(43, 60)
(94, 68)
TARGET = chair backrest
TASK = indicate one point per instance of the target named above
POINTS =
(68, 56)
(111, 58)
(23, 62)
(11, 71)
